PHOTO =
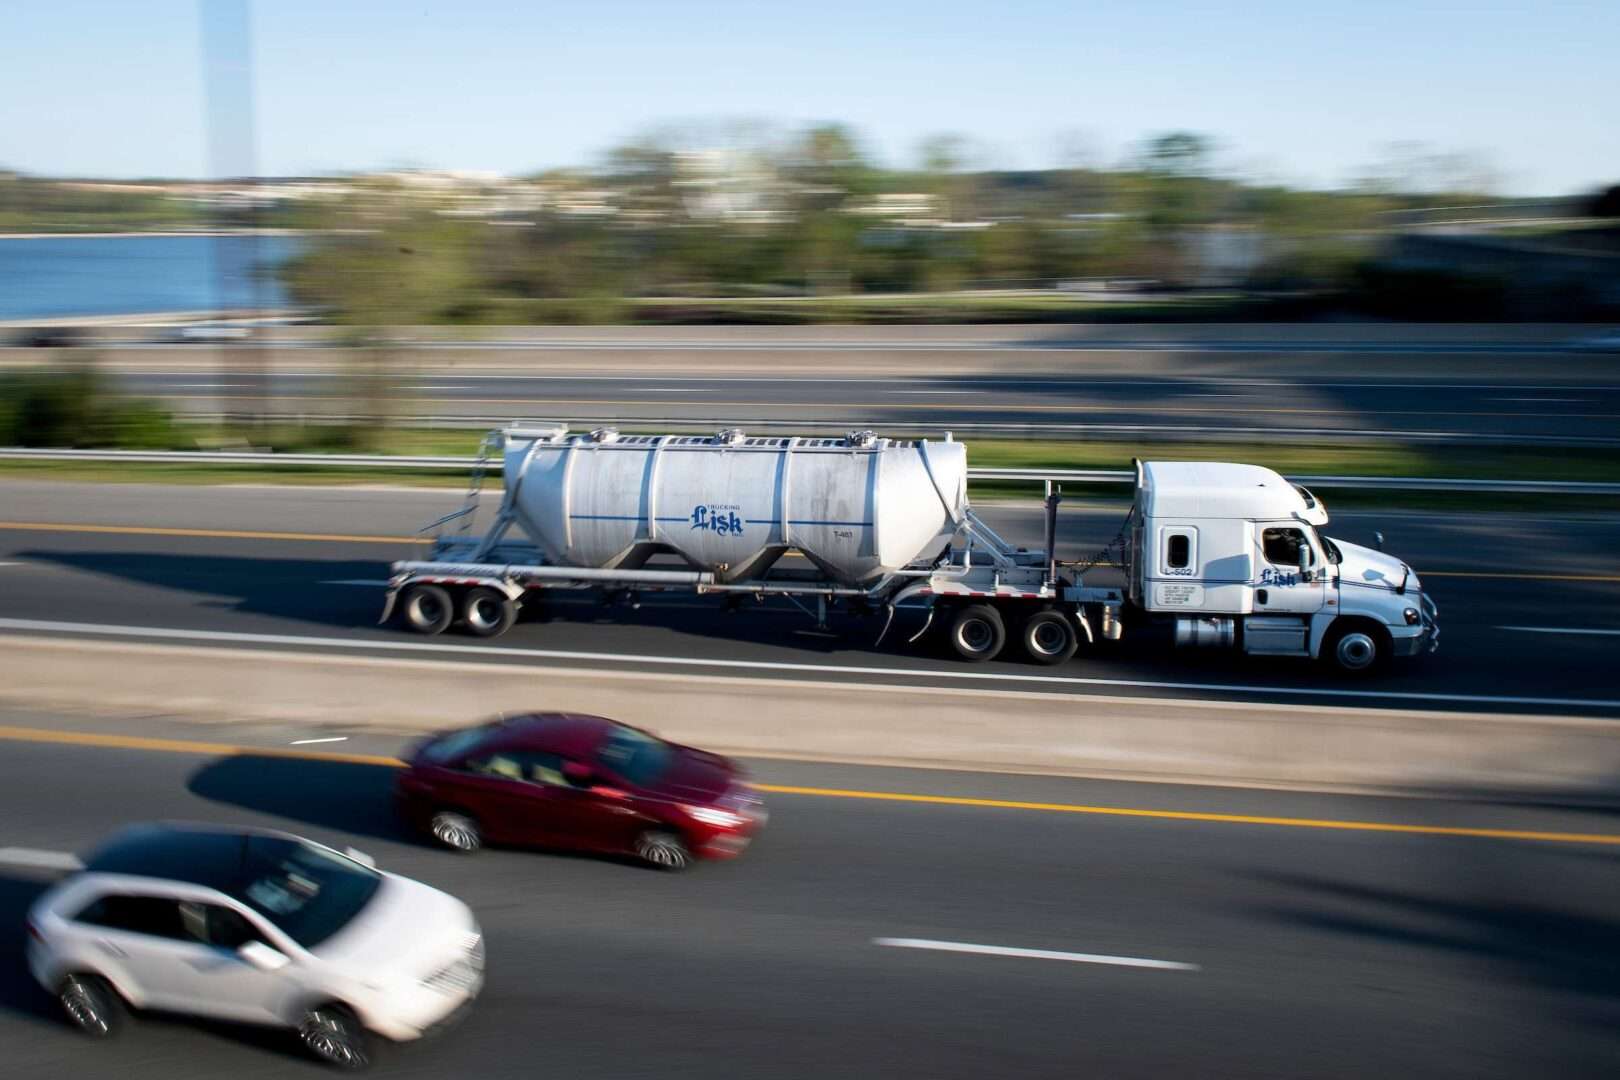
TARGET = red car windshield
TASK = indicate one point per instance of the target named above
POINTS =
(454, 745)
(634, 755)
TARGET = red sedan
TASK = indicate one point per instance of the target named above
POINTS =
(561, 780)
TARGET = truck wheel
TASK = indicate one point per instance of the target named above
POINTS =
(977, 632)
(428, 609)
(488, 612)
(1049, 637)
(1356, 648)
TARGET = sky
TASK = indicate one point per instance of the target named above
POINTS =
(1308, 94)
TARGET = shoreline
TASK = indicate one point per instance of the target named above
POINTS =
(155, 318)
(153, 233)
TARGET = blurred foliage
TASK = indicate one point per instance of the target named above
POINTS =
(68, 405)
(813, 216)
(29, 204)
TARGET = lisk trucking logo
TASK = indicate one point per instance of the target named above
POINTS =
(722, 520)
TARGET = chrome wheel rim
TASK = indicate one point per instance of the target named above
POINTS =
(331, 1037)
(1357, 651)
(425, 609)
(484, 612)
(975, 635)
(1048, 638)
(663, 852)
(82, 1004)
(456, 831)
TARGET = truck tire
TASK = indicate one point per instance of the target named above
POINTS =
(427, 609)
(1049, 637)
(1356, 647)
(978, 633)
(487, 612)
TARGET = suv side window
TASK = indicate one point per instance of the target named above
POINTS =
(155, 916)
(218, 926)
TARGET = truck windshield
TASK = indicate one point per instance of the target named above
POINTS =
(1328, 546)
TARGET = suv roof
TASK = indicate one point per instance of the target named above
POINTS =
(215, 858)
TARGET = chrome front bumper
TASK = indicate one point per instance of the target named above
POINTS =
(1426, 640)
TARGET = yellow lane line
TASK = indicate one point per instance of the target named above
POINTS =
(244, 534)
(1195, 815)
(227, 534)
(191, 746)
(181, 746)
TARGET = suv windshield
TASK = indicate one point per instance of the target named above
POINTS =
(310, 894)
(634, 755)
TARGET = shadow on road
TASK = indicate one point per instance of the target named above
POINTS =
(304, 589)
(19, 993)
(1546, 945)
(344, 796)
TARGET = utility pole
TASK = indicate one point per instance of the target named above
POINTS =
(238, 251)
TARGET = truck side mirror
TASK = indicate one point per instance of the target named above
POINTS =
(1307, 559)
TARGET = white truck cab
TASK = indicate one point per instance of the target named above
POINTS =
(1234, 556)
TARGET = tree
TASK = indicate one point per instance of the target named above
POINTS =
(1178, 153)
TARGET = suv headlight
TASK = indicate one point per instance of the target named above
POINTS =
(1411, 616)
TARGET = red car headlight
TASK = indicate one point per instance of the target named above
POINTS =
(714, 815)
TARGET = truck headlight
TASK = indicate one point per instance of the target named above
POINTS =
(1411, 616)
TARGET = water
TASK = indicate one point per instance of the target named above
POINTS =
(61, 276)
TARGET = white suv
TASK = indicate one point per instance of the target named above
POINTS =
(254, 926)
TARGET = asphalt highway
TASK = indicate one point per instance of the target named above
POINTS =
(1526, 603)
(1482, 382)
(1333, 396)
(1270, 951)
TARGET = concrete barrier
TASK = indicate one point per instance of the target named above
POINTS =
(1082, 735)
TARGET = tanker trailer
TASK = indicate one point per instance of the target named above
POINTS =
(867, 522)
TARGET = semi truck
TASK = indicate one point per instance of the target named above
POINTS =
(1213, 555)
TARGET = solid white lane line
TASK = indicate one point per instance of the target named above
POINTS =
(38, 859)
(1035, 682)
(1032, 954)
(311, 742)
(1562, 630)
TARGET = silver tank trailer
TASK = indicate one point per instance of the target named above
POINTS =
(859, 507)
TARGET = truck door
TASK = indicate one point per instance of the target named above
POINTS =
(1280, 587)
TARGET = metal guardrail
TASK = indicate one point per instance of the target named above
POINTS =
(1073, 476)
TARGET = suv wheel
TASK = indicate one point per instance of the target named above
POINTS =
(335, 1035)
(91, 1005)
